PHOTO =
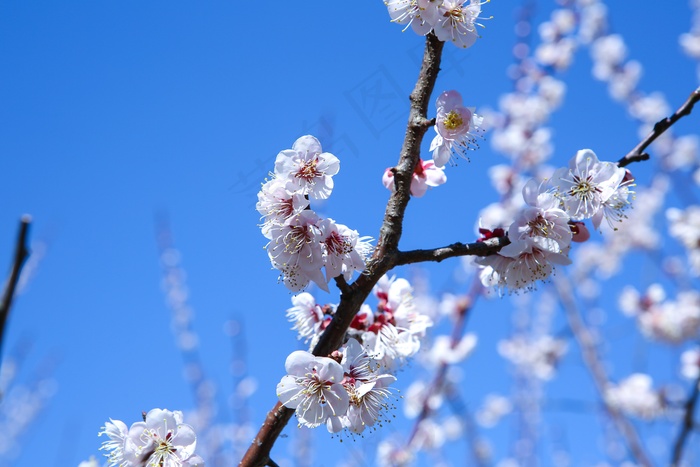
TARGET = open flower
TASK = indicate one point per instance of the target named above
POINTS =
(307, 168)
(456, 127)
(313, 387)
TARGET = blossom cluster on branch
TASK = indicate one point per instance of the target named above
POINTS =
(450, 20)
(301, 242)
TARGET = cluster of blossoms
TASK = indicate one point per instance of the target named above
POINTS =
(390, 334)
(672, 321)
(341, 392)
(450, 20)
(301, 242)
(457, 128)
(541, 235)
(161, 440)
(349, 391)
(635, 396)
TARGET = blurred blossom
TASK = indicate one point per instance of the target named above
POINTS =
(538, 357)
(684, 225)
(690, 363)
(635, 396)
(492, 410)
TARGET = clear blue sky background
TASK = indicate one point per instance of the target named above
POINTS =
(113, 111)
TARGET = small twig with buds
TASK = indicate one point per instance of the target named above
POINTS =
(637, 154)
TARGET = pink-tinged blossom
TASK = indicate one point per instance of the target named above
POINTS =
(343, 249)
(589, 188)
(162, 439)
(367, 390)
(635, 396)
(457, 22)
(295, 249)
(456, 127)
(313, 388)
(426, 175)
(308, 169)
(541, 223)
(306, 315)
(409, 13)
(277, 203)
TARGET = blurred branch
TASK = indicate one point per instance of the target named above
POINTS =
(21, 255)
(637, 154)
(592, 360)
(688, 424)
(385, 254)
(485, 248)
(464, 306)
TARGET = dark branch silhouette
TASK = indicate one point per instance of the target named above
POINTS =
(637, 154)
(21, 255)
(688, 424)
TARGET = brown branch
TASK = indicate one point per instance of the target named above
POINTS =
(688, 424)
(484, 248)
(595, 367)
(21, 255)
(385, 254)
(637, 154)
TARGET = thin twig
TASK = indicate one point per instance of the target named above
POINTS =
(688, 424)
(385, 254)
(21, 255)
(637, 154)
(595, 367)
(484, 248)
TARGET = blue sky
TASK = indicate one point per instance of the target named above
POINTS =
(112, 112)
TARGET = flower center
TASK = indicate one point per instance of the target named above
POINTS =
(583, 188)
(541, 227)
(308, 170)
(453, 120)
(337, 244)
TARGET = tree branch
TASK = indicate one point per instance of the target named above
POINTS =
(21, 255)
(385, 254)
(595, 367)
(485, 248)
(637, 154)
(688, 424)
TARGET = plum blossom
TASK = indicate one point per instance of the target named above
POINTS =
(305, 314)
(307, 168)
(162, 439)
(456, 127)
(313, 388)
(538, 357)
(456, 22)
(589, 188)
(452, 21)
(301, 243)
(635, 396)
(690, 363)
(426, 175)
(295, 249)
